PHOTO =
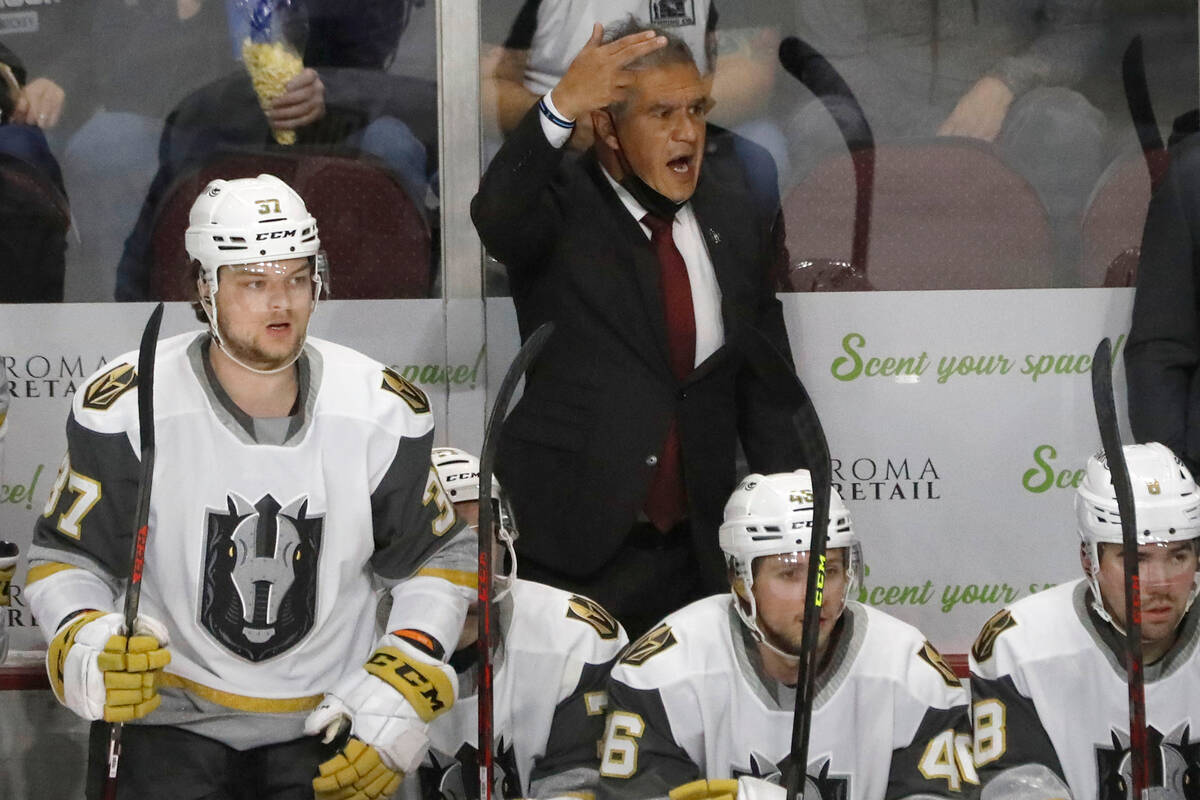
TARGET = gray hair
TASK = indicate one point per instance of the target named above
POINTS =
(676, 51)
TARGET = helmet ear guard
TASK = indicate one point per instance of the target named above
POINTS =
(771, 515)
(1166, 501)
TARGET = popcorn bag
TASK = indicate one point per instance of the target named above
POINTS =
(271, 52)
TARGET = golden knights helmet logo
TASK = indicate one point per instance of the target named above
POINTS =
(260, 575)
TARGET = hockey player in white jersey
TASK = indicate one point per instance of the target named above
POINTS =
(292, 476)
(553, 653)
(709, 693)
(1050, 701)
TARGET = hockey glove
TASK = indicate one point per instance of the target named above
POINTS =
(356, 773)
(99, 673)
(744, 788)
(8, 568)
(389, 702)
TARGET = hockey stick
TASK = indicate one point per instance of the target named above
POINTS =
(1110, 437)
(1141, 110)
(133, 592)
(819, 76)
(814, 451)
(487, 461)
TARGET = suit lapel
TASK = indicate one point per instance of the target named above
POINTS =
(638, 257)
(721, 252)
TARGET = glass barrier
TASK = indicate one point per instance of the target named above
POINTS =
(115, 115)
(915, 144)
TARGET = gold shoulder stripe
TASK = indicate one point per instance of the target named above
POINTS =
(651, 644)
(41, 571)
(104, 391)
(985, 642)
(930, 655)
(400, 386)
(269, 705)
(587, 610)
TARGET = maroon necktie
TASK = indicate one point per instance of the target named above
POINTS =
(666, 503)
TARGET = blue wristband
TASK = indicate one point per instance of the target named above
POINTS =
(550, 115)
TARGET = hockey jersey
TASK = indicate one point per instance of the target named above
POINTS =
(555, 652)
(264, 548)
(689, 700)
(1050, 702)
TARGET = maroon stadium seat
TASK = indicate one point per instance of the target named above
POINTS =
(376, 239)
(1115, 216)
(946, 213)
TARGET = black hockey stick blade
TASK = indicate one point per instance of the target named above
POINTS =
(137, 558)
(814, 449)
(814, 71)
(1110, 437)
(1141, 109)
(487, 463)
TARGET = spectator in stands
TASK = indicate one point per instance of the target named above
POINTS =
(343, 100)
(33, 206)
(987, 70)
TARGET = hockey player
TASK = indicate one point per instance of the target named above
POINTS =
(709, 693)
(552, 656)
(1048, 682)
(291, 474)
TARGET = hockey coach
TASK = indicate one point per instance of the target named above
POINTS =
(653, 258)
(292, 476)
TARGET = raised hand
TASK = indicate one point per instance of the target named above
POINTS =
(597, 77)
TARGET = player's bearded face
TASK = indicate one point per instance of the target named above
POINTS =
(1166, 573)
(263, 311)
(779, 588)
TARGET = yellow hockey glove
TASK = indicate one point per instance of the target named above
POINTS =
(356, 773)
(99, 673)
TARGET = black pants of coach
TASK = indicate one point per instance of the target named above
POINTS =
(651, 575)
(162, 761)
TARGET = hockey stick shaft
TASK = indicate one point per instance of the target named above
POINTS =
(487, 462)
(1110, 437)
(141, 532)
(814, 451)
(1141, 109)
(820, 77)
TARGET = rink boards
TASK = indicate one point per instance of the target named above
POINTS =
(957, 421)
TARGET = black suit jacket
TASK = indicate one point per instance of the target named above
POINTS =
(578, 451)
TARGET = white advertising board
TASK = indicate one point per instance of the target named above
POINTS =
(957, 420)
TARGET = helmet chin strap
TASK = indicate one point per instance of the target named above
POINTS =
(209, 305)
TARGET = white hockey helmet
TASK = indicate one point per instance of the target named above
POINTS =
(773, 514)
(249, 221)
(1166, 501)
(458, 471)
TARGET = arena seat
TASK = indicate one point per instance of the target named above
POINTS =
(1116, 213)
(377, 240)
(946, 213)
(34, 220)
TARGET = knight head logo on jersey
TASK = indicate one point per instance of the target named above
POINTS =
(260, 573)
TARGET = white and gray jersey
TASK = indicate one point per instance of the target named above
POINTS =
(690, 700)
(1051, 703)
(555, 651)
(554, 31)
(265, 540)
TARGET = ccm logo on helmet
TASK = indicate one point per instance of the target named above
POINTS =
(275, 235)
(461, 476)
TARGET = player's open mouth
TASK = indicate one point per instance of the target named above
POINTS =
(279, 327)
(681, 164)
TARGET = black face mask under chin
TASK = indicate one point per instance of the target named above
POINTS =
(653, 201)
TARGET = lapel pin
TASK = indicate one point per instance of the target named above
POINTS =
(716, 237)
